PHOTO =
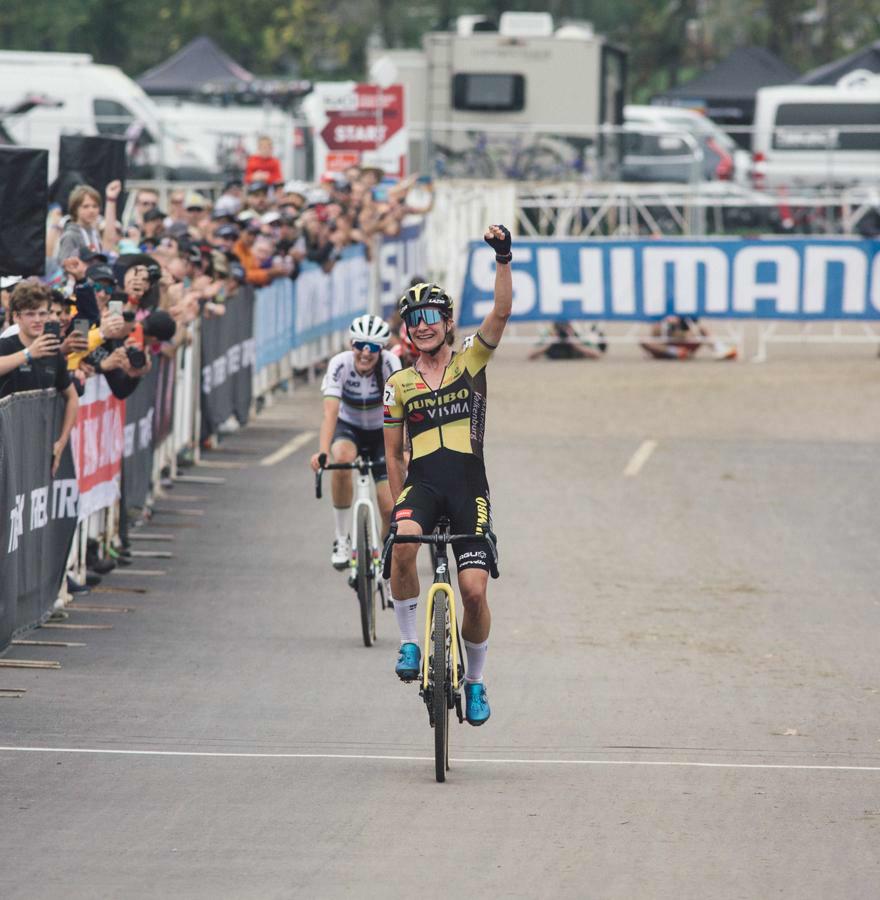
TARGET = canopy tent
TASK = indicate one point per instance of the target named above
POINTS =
(726, 92)
(199, 64)
(866, 58)
(202, 68)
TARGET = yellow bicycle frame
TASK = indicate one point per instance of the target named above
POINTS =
(453, 628)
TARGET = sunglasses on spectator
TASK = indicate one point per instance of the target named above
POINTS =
(147, 203)
(427, 315)
(102, 286)
(369, 346)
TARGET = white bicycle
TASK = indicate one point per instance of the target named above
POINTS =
(365, 568)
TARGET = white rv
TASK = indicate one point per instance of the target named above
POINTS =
(811, 137)
(91, 99)
(514, 102)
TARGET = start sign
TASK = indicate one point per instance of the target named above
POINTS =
(361, 119)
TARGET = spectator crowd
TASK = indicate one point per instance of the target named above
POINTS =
(123, 285)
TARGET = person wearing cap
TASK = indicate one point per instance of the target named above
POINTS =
(152, 229)
(226, 236)
(257, 197)
(195, 207)
(263, 166)
(226, 208)
(293, 194)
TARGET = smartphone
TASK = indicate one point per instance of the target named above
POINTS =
(82, 326)
(52, 328)
(115, 307)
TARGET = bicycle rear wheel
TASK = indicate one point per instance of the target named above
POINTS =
(441, 687)
(366, 587)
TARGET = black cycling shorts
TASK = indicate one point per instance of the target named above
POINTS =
(370, 444)
(459, 491)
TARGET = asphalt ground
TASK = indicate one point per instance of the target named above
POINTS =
(683, 666)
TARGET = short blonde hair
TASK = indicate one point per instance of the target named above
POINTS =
(78, 195)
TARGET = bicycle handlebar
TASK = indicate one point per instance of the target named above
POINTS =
(440, 539)
(362, 465)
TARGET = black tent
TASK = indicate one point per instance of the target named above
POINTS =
(726, 92)
(866, 58)
(195, 67)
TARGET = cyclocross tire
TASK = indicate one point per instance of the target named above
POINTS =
(365, 586)
(441, 707)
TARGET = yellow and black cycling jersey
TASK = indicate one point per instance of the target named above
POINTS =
(454, 416)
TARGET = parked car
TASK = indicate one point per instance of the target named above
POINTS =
(666, 143)
(817, 136)
(92, 99)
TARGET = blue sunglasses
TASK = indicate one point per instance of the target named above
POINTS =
(366, 345)
(426, 314)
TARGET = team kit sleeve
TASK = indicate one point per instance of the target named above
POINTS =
(478, 353)
(331, 386)
(393, 405)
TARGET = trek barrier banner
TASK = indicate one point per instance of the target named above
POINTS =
(139, 439)
(799, 279)
(400, 258)
(164, 421)
(97, 441)
(40, 512)
(290, 314)
(228, 363)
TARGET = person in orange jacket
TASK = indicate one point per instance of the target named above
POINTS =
(255, 274)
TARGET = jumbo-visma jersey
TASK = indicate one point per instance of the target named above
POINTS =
(452, 417)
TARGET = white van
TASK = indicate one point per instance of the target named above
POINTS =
(92, 99)
(811, 137)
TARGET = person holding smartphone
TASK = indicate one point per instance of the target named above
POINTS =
(31, 360)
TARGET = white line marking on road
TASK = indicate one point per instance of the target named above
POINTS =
(639, 458)
(496, 761)
(290, 447)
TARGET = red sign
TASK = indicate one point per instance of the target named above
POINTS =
(363, 127)
(97, 442)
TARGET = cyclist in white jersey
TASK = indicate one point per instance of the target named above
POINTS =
(353, 422)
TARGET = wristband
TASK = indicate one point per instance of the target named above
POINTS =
(506, 258)
(27, 356)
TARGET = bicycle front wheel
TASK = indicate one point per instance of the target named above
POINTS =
(441, 686)
(366, 587)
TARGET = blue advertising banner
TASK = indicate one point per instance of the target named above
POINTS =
(808, 279)
(288, 314)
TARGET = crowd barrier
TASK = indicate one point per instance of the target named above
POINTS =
(121, 451)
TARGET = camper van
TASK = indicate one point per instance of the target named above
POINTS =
(521, 100)
(813, 137)
(85, 98)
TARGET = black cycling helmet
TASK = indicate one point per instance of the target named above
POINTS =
(422, 295)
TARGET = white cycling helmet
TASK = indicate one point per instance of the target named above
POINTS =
(369, 328)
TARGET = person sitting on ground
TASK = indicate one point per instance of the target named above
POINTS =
(563, 340)
(680, 337)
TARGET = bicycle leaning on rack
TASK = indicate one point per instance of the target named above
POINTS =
(442, 669)
(365, 568)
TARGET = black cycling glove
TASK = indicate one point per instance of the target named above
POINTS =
(501, 245)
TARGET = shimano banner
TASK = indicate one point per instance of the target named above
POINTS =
(642, 280)
(228, 363)
(289, 314)
(40, 512)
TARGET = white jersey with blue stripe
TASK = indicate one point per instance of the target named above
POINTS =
(360, 396)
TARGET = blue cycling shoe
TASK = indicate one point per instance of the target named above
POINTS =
(477, 704)
(408, 662)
